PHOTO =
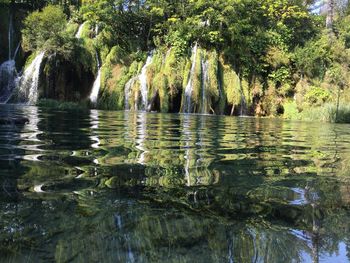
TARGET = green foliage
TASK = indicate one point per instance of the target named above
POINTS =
(260, 54)
(317, 96)
(313, 59)
(291, 111)
(41, 26)
(232, 86)
(325, 113)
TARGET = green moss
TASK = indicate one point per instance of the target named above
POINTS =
(72, 28)
(221, 104)
(232, 85)
(197, 81)
(213, 85)
(30, 59)
(86, 31)
(161, 84)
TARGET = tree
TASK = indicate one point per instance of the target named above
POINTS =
(40, 26)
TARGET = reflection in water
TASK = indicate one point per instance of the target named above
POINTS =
(141, 136)
(139, 187)
(187, 137)
(94, 137)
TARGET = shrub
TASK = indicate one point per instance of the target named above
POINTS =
(317, 96)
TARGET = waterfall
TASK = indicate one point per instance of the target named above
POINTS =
(16, 51)
(205, 83)
(96, 88)
(127, 92)
(28, 83)
(8, 73)
(10, 31)
(143, 81)
(80, 30)
(97, 83)
(189, 86)
(8, 76)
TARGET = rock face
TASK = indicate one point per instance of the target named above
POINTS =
(65, 81)
(12, 15)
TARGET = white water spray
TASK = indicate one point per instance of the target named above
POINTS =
(28, 83)
(10, 32)
(96, 88)
(97, 83)
(143, 81)
(8, 73)
(8, 76)
(189, 86)
(80, 30)
(205, 83)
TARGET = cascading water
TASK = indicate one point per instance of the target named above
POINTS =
(28, 83)
(96, 88)
(16, 51)
(97, 83)
(205, 83)
(8, 73)
(143, 82)
(189, 86)
(8, 76)
(10, 33)
(80, 30)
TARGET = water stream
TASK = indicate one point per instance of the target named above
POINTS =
(205, 85)
(96, 88)
(189, 86)
(143, 82)
(80, 30)
(8, 76)
(27, 90)
(97, 83)
(8, 72)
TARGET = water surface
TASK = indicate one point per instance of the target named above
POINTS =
(141, 187)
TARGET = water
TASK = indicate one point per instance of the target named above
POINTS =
(27, 90)
(189, 86)
(8, 72)
(143, 82)
(97, 83)
(80, 30)
(8, 76)
(96, 88)
(141, 187)
(205, 83)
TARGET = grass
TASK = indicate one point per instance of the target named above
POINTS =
(324, 113)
